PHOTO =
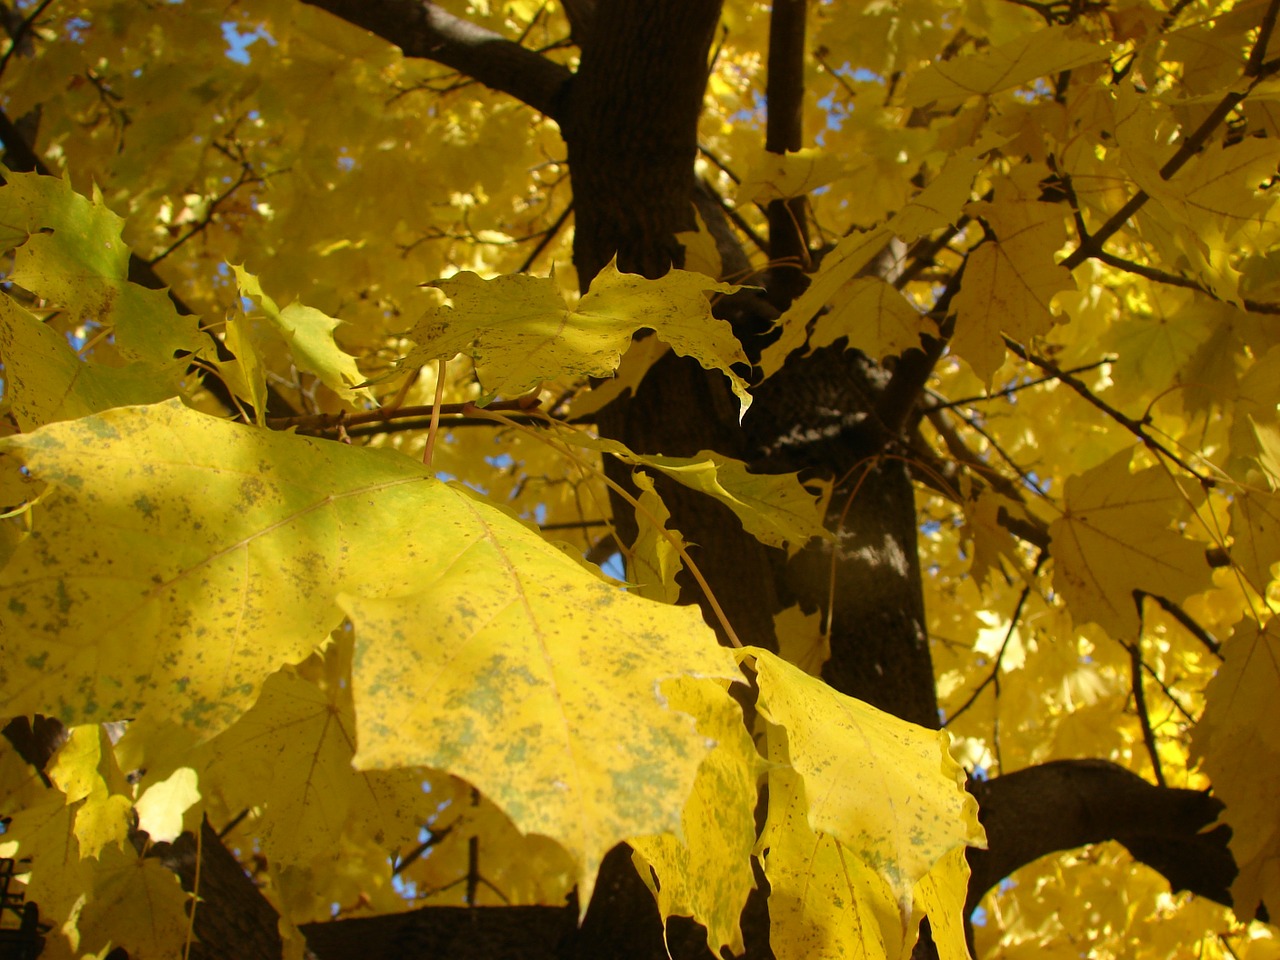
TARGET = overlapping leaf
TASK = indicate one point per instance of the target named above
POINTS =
(841, 265)
(774, 508)
(1010, 280)
(538, 682)
(1238, 741)
(309, 335)
(520, 331)
(887, 791)
(989, 70)
(705, 873)
(74, 256)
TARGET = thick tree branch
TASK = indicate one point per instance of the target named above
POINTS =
(788, 230)
(422, 29)
(1069, 803)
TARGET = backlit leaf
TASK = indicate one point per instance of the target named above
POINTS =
(886, 790)
(520, 331)
(1114, 538)
(1238, 743)
(706, 872)
(540, 685)
(1037, 53)
(309, 336)
(75, 257)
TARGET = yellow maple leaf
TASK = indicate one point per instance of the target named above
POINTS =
(309, 335)
(1238, 742)
(291, 754)
(136, 903)
(44, 833)
(550, 707)
(1255, 535)
(940, 895)
(161, 807)
(942, 201)
(520, 331)
(655, 561)
(886, 790)
(989, 70)
(46, 381)
(839, 266)
(774, 508)
(1113, 538)
(85, 770)
(706, 873)
(780, 176)
(1009, 281)
(801, 640)
(876, 319)
(74, 256)
(1255, 423)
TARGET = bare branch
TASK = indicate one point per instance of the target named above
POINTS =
(1069, 803)
(788, 228)
(422, 29)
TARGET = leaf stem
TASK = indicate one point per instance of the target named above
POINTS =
(434, 429)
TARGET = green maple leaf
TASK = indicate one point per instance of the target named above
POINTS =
(74, 256)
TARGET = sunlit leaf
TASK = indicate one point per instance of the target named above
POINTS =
(886, 790)
(519, 330)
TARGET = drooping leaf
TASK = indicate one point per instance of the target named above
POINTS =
(940, 895)
(655, 561)
(539, 683)
(309, 336)
(520, 331)
(776, 509)
(886, 790)
(825, 900)
(705, 873)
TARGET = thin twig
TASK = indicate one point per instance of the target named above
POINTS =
(323, 422)
(1175, 280)
(1193, 628)
(993, 676)
(1136, 427)
(1009, 391)
(20, 34)
(1256, 70)
(547, 238)
(1140, 705)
